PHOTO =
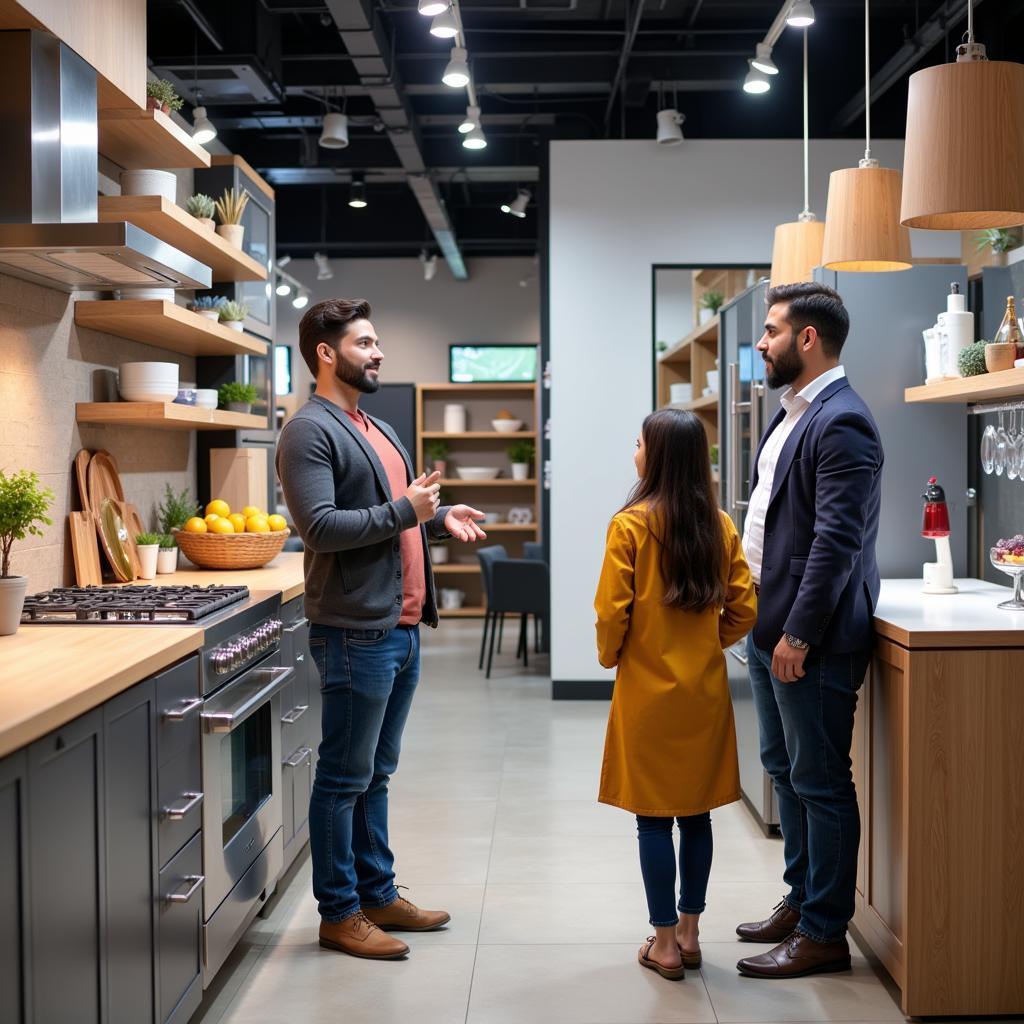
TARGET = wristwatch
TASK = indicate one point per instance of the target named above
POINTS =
(795, 641)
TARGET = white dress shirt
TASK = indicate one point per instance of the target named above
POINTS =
(795, 404)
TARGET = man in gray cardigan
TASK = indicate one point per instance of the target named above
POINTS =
(364, 520)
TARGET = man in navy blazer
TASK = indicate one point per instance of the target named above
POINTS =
(810, 533)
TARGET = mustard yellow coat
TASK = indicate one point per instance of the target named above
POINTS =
(670, 749)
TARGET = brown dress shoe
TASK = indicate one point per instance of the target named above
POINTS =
(778, 926)
(797, 956)
(359, 937)
(403, 916)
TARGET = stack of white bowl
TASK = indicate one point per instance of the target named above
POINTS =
(206, 398)
(148, 382)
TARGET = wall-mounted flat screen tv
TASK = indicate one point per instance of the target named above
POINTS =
(492, 364)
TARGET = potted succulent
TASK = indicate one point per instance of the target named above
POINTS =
(237, 397)
(207, 305)
(710, 304)
(167, 557)
(23, 504)
(230, 208)
(521, 454)
(437, 454)
(971, 360)
(160, 95)
(148, 547)
(233, 314)
(202, 208)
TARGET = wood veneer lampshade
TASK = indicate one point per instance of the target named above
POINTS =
(962, 166)
(862, 221)
(797, 251)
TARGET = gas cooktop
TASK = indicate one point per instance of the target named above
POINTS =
(138, 604)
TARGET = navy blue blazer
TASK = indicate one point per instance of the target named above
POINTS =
(819, 577)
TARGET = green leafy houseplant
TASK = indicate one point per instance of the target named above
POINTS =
(996, 239)
(436, 451)
(713, 452)
(235, 391)
(167, 542)
(971, 360)
(521, 452)
(200, 206)
(712, 300)
(176, 511)
(146, 540)
(23, 504)
(232, 311)
(162, 92)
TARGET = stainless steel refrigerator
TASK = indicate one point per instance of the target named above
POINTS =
(884, 354)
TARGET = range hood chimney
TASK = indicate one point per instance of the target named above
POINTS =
(48, 204)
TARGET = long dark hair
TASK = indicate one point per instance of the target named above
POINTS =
(677, 489)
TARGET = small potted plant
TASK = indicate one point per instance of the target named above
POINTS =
(237, 397)
(148, 547)
(23, 504)
(230, 208)
(167, 557)
(713, 452)
(202, 208)
(207, 305)
(176, 510)
(160, 95)
(521, 455)
(971, 360)
(710, 304)
(233, 314)
(437, 454)
(999, 240)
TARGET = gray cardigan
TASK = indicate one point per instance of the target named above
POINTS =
(338, 496)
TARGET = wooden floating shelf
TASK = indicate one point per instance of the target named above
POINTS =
(166, 325)
(462, 613)
(171, 224)
(680, 352)
(985, 387)
(136, 139)
(697, 405)
(446, 568)
(470, 388)
(488, 483)
(478, 435)
(165, 416)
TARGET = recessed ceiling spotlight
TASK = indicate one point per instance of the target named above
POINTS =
(445, 25)
(432, 8)
(323, 267)
(763, 60)
(456, 74)
(334, 134)
(801, 14)
(357, 194)
(471, 121)
(756, 81)
(519, 204)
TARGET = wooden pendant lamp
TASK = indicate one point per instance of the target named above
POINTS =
(862, 218)
(965, 143)
(797, 247)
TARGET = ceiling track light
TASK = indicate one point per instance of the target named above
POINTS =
(475, 138)
(519, 204)
(357, 194)
(323, 267)
(432, 8)
(801, 14)
(445, 25)
(669, 131)
(471, 121)
(456, 74)
(763, 60)
(756, 81)
(301, 299)
(283, 287)
(334, 133)
(203, 129)
(429, 264)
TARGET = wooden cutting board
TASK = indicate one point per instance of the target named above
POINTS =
(103, 480)
(82, 460)
(127, 573)
(85, 546)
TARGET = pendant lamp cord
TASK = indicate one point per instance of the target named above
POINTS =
(970, 21)
(867, 81)
(807, 196)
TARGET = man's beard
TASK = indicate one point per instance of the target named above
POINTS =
(355, 376)
(785, 368)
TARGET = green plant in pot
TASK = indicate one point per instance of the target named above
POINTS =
(160, 95)
(23, 505)
(230, 208)
(713, 452)
(202, 208)
(207, 305)
(148, 547)
(233, 314)
(237, 397)
(971, 360)
(176, 510)
(521, 454)
(437, 455)
(710, 303)
(1000, 241)
(167, 557)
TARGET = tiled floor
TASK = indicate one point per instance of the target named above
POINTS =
(494, 818)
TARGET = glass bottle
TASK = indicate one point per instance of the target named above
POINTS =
(1009, 329)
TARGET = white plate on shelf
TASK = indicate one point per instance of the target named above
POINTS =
(476, 472)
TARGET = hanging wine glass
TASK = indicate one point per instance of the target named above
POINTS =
(1002, 440)
(988, 449)
(1012, 451)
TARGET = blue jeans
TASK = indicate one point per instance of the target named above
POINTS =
(367, 679)
(806, 734)
(658, 866)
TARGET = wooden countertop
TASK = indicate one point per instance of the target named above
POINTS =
(55, 673)
(969, 619)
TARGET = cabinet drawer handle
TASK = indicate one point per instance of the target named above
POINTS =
(298, 757)
(184, 897)
(181, 713)
(177, 813)
(741, 658)
(295, 714)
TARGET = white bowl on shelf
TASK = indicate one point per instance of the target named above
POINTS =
(507, 426)
(140, 371)
(206, 398)
(490, 518)
(148, 393)
(477, 472)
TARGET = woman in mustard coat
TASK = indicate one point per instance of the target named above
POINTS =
(675, 591)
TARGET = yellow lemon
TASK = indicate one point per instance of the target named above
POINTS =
(195, 525)
(212, 518)
(237, 521)
(257, 524)
(218, 508)
(222, 526)
(251, 510)
(277, 523)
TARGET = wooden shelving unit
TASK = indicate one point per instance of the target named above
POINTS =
(985, 387)
(136, 139)
(165, 416)
(166, 325)
(480, 445)
(171, 224)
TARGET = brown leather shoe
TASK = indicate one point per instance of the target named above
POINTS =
(797, 956)
(779, 925)
(359, 937)
(403, 916)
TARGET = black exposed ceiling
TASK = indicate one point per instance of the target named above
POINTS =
(543, 70)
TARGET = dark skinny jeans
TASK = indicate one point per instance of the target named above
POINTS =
(658, 866)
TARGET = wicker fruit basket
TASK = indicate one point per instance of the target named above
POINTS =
(231, 550)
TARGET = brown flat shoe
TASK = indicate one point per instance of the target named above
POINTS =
(691, 959)
(403, 916)
(797, 957)
(359, 937)
(779, 925)
(672, 973)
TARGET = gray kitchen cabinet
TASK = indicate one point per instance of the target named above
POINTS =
(179, 907)
(13, 777)
(67, 885)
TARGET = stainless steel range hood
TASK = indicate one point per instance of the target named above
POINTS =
(49, 230)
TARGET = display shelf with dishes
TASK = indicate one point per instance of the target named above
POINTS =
(472, 432)
(165, 416)
(984, 387)
(136, 138)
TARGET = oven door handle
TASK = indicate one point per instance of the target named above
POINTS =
(179, 714)
(224, 720)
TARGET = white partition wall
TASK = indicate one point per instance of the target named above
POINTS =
(617, 208)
